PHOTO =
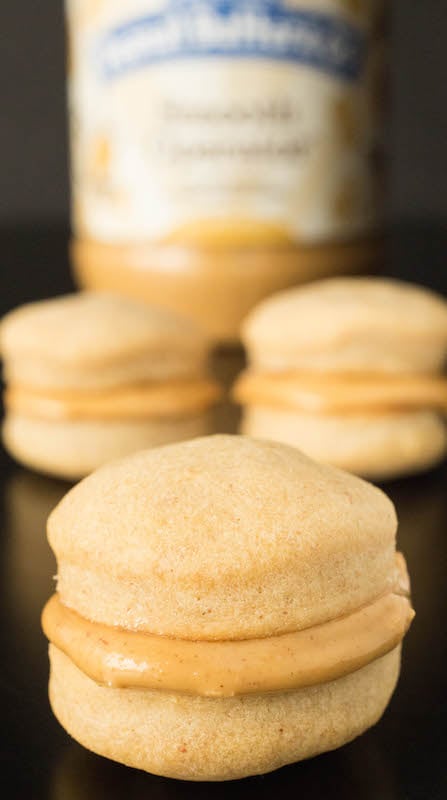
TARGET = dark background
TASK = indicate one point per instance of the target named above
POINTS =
(33, 146)
(402, 758)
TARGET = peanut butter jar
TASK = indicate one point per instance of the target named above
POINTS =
(224, 149)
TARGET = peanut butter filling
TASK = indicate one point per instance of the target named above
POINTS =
(343, 393)
(123, 659)
(164, 399)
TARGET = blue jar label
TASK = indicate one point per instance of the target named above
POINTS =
(237, 29)
(225, 122)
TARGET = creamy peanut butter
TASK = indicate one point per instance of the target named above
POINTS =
(211, 137)
(164, 399)
(342, 393)
(216, 285)
(123, 659)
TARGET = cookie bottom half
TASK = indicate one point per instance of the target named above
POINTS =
(71, 449)
(214, 739)
(375, 446)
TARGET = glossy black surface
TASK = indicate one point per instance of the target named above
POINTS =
(402, 758)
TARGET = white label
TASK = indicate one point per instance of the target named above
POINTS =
(202, 120)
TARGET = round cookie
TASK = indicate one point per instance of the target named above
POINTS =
(92, 377)
(348, 369)
(229, 543)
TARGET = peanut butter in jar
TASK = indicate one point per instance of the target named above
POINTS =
(224, 149)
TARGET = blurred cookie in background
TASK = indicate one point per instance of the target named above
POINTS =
(350, 371)
(92, 377)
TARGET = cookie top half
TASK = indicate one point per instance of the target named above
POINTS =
(363, 324)
(95, 338)
(223, 537)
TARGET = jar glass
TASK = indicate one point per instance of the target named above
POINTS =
(224, 149)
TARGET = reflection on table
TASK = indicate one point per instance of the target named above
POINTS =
(421, 505)
(359, 771)
(28, 580)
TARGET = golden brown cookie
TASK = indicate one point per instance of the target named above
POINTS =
(224, 606)
(92, 376)
(350, 370)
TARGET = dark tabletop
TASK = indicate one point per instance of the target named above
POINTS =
(403, 758)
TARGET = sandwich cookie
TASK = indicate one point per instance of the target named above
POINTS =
(350, 371)
(224, 606)
(91, 377)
